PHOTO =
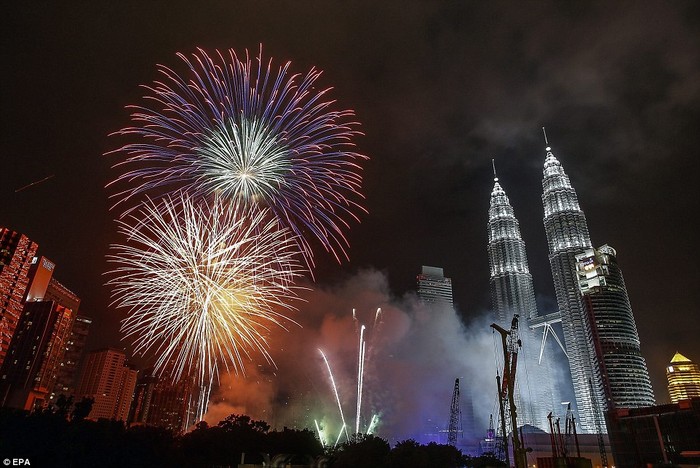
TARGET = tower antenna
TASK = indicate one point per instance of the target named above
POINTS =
(546, 142)
(495, 177)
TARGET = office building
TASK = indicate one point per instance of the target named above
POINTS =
(683, 378)
(512, 293)
(567, 236)
(619, 366)
(433, 287)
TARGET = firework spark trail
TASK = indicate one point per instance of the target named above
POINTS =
(237, 128)
(340, 433)
(201, 284)
(360, 376)
(335, 392)
(320, 435)
(373, 424)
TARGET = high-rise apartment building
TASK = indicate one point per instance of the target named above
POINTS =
(159, 402)
(619, 365)
(35, 356)
(567, 235)
(110, 382)
(433, 286)
(512, 293)
(28, 374)
(16, 255)
(683, 378)
(66, 380)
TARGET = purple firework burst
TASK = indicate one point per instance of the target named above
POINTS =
(241, 129)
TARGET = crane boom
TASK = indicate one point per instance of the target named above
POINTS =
(511, 344)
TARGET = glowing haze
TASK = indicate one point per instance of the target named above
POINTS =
(410, 368)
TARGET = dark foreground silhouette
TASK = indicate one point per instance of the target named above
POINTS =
(63, 437)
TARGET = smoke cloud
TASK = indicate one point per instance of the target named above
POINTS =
(414, 353)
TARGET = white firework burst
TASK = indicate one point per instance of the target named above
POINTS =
(202, 284)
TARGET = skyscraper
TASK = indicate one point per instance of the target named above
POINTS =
(511, 282)
(435, 289)
(16, 255)
(620, 367)
(567, 235)
(160, 402)
(110, 381)
(66, 380)
(512, 292)
(683, 378)
(28, 375)
(433, 286)
(35, 355)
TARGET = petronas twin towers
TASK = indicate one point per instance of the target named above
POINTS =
(601, 341)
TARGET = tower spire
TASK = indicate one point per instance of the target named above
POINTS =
(495, 177)
(546, 141)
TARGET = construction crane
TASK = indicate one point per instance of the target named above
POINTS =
(455, 425)
(506, 390)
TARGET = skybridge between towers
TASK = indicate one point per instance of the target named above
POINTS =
(546, 322)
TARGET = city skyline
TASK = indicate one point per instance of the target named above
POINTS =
(457, 90)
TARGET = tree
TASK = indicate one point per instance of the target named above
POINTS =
(446, 456)
(364, 450)
(82, 409)
(408, 454)
(293, 441)
(63, 405)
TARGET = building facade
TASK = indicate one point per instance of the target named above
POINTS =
(16, 255)
(433, 287)
(664, 435)
(66, 380)
(619, 365)
(29, 372)
(683, 378)
(35, 356)
(567, 235)
(110, 382)
(512, 292)
(510, 280)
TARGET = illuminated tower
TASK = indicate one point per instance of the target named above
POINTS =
(619, 364)
(511, 281)
(433, 286)
(683, 378)
(567, 235)
(16, 254)
(512, 292)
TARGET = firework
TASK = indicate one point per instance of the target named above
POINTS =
(201, 283)
(246, 131)
(363, 351)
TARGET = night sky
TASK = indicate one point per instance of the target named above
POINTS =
(440, 88)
